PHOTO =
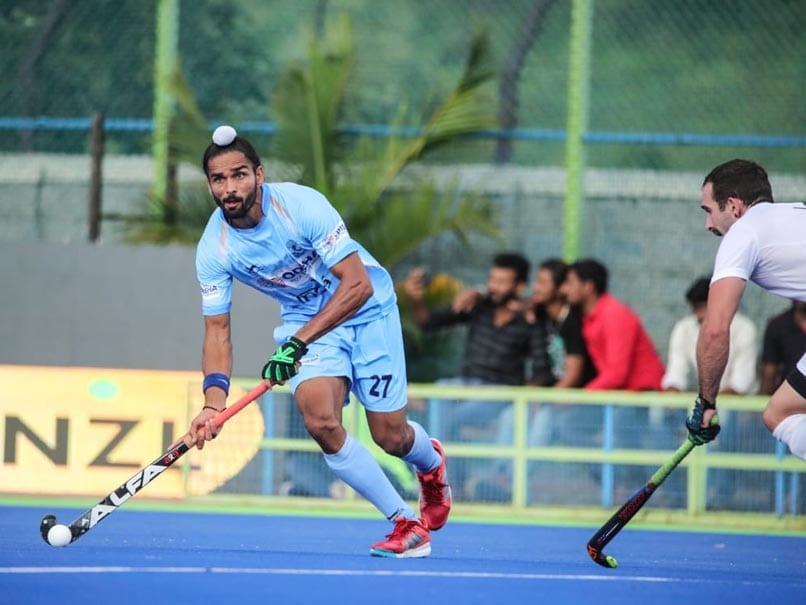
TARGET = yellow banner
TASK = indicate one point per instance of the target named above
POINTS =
(86, 431)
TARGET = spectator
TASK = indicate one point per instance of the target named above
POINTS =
(740, 374)
(497, 347)
(497, 343)
(617, 341)
(784, 344)
(623, 354)
(559, 357)
(739, 379)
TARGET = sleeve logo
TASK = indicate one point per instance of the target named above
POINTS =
(210, 292)
(334, 237)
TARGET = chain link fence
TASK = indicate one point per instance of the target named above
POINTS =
(672, 85)
(673, 89)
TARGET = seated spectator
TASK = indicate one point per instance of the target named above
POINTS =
(624, 356)
(559, 356)
(497, 342)
(784, 344)
(497, 346)
(740, 374)
(619, 345)
(558, 359)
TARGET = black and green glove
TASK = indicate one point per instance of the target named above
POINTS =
(697, 433)
(283, 364)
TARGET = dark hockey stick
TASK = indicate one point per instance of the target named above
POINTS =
(616, 523)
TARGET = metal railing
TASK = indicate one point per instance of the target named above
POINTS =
(606, 451)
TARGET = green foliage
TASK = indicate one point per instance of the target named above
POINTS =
(679, 67)
(391, 219)
(193, 208)
(190, 207)
(308, 102)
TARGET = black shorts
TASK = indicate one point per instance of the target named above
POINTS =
(797, 378)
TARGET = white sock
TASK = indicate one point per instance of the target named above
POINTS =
(356, 466)
(422, 454)
(792, 431)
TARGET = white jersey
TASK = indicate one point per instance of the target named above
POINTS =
(767, 246)
(288, 256)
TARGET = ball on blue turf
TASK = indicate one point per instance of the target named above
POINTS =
(59, 535)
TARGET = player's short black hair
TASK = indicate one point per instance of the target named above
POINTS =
(697, 293)
(516, 262)
(742, 179)
(238, 144)
(558, 269)
(590, 269)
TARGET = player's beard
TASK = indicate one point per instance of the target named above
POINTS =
(240, 211)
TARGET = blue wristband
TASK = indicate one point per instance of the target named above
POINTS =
(216, 379)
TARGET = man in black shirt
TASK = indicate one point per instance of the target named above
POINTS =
(498, 341)
(784, 344)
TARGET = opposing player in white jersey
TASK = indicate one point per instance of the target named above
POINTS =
(341, 332)
(764, 243)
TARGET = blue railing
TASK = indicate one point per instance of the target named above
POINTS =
(383, 131)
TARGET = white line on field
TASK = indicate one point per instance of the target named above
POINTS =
(334, 572)
(279, 571)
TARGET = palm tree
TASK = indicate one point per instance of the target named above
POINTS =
(308, 105)
(308, 108)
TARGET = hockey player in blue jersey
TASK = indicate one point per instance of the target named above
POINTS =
(341, 332)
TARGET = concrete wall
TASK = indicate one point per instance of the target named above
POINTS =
(118, 306)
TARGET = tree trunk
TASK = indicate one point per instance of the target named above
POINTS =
(30, 63)
(511, 73)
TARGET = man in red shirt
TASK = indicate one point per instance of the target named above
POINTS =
(624, 357)
(617, 342)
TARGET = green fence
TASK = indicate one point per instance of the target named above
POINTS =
(666, 85)
(549, 451)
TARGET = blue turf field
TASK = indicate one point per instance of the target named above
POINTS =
(150, 558)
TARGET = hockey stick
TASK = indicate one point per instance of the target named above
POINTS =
(616, 523)
(138, 481)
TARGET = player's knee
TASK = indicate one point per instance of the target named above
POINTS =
(394, 443)
(325, 431)
(771, 416)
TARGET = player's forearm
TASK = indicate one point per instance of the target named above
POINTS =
(712, 358)
(216, 359)
(348, 298)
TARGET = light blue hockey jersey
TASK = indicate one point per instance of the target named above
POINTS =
(288, 256)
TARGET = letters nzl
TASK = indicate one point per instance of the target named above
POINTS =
(126, 491)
